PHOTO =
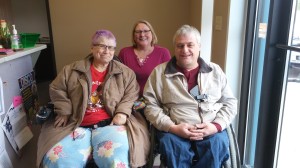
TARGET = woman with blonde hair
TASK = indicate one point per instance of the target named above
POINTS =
(144, 54)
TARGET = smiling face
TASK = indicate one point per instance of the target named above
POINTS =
(186, 51)
(103, 50)
(142, 35)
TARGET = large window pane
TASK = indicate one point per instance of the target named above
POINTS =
(288, 150)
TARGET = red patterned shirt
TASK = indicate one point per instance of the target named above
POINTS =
(95, 111)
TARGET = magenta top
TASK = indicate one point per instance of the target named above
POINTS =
(143, 69)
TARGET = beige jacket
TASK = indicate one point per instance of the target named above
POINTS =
(70, 92)
(169, 102)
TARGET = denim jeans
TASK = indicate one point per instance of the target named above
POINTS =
(179, 152)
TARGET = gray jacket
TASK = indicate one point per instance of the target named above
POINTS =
(169, 102)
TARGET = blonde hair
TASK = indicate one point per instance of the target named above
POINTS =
(154, 37)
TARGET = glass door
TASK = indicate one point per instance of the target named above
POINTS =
(256, 79)
(270, 85)
(288, 141)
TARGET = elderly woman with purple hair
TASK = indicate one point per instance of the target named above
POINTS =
(93, 120)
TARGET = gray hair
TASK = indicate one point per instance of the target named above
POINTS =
(188, 30)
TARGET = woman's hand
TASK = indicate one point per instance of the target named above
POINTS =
(119, 119)
(61, 120)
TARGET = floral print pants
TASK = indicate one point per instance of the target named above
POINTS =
(107, 145)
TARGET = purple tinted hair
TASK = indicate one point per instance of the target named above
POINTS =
(103, 34)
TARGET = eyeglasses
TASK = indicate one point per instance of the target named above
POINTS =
(104, 47)
(142, 31)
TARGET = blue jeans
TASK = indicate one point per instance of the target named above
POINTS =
(179, 152)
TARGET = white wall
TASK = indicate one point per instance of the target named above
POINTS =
(235, 45)
(206, 29)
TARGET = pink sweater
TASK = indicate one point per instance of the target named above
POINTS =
(142, 71)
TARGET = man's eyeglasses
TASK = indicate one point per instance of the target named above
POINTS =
(104, 47)
(142, 31)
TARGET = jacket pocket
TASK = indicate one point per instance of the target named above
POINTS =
(209, 110)
(207, 107)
